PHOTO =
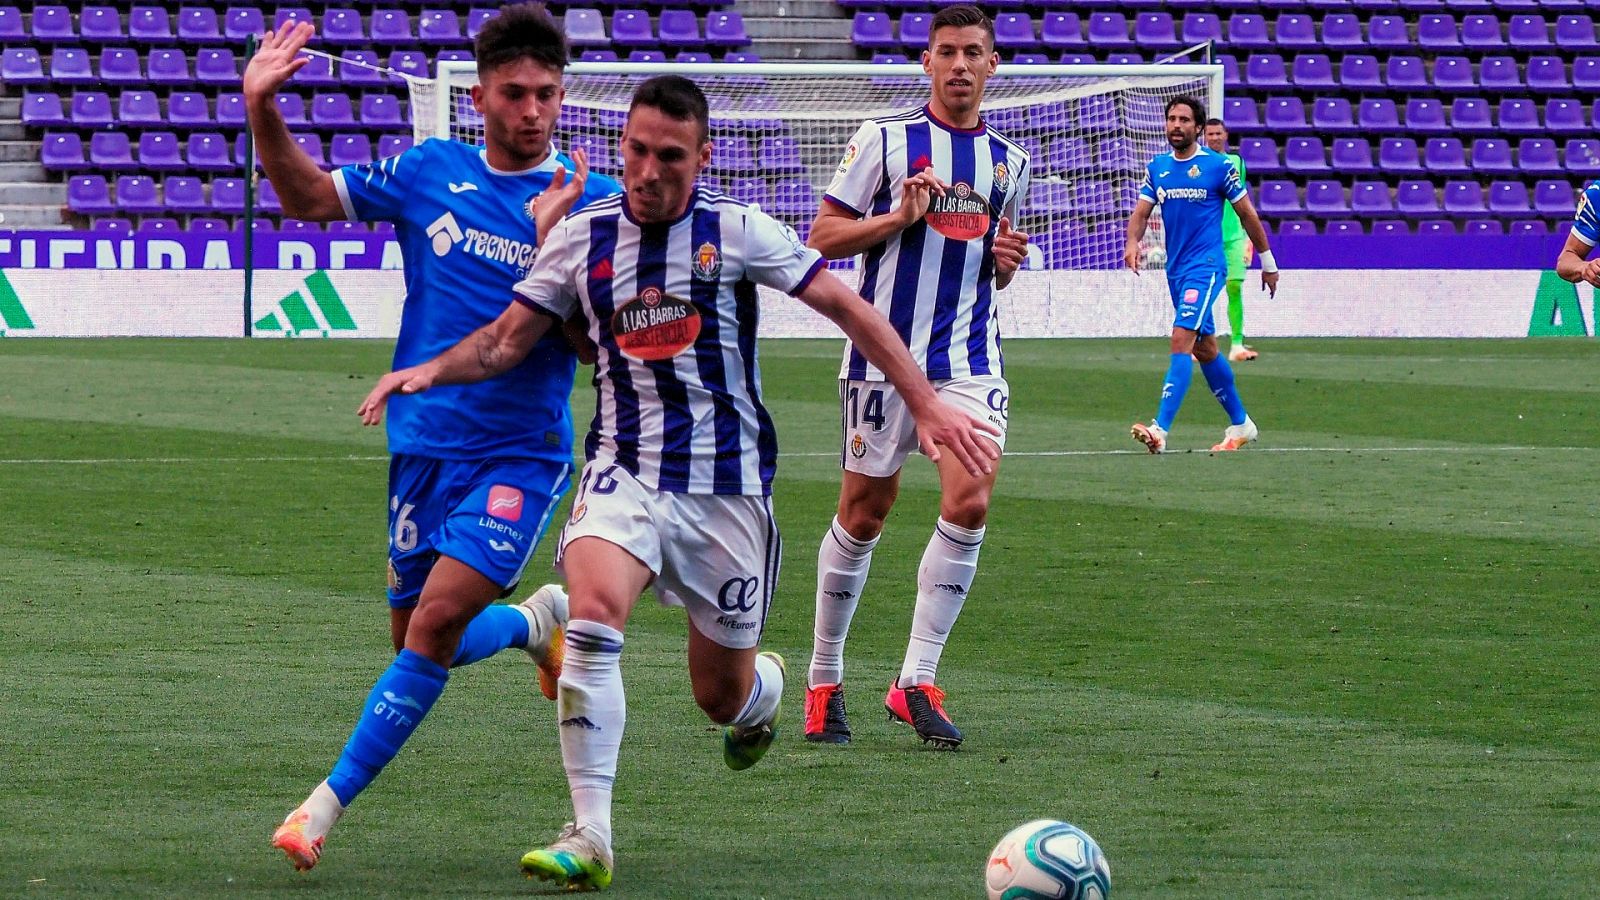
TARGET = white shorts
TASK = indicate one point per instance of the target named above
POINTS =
(879, 432)
(715, 555)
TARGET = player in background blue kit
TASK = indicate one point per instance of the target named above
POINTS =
(1191, 184)
(476, 471)
(1574, 263)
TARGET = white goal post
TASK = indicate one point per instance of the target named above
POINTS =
(779, 130)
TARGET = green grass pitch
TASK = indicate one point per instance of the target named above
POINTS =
(1359, 660)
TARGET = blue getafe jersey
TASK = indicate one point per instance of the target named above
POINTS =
(467, 235)
(1191, 193)
(1586, 224)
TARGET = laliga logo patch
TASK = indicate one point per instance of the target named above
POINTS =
(655, 325)
(1002, 176)
(858, 447)
(394, 577)
(1194, 171)
(707, 262)
(850, 154)
(577, 513)
(1191, 297)
(505, 502)
(961, 214)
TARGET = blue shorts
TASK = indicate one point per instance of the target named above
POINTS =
(488, 514)
(1193, 297)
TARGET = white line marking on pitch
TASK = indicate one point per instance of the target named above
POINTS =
(182, 460)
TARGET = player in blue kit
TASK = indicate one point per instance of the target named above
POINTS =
(1574, 263)
(1191, 184)
(476, 470)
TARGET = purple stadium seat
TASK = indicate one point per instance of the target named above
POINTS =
(136, 194)
(1198, 27)
(349, 149)
(1529, 226)
(184, 194)
(1248, 31)
(440, 27)
(1453, 75)
(216, 66)
(70, 65)
(1388, 33)
(1406, 73)
(1508, 198)
(734, 154)
(100, 24)
(1438, 32)
(751, 190)
(198, 25)
(230, 110)
(1332, 114)
(1391, 228)
(311, 145)
(1483, 226)
(159, 152)
(1266, 70)
(120, 65)
(339, 228)
(1446, 156)
(1470, 115)
(1012, 31)
(1399, 156)
(586, 28)
(342, 26)
(170, 67)
(1286, 114)
(1124, 59)
(1586, 74)
(1538, 156)
(1492, 156)
(1260, 156)
(382, 111)
(112, 151)
(647, 56)
(1352, 156)
(53, 24)
(299, 226)
(91, 109)
(240, 22)
(1296, 31)
(1371, 198)
(681, 28)
(149, 224)
(150, 25)
(914, 30)
(1359, 72)
(292, 107)
(1062, 31)
(139, 109)
(726, 29)
(393, 145)
(392, 26)
(241, 148)
(1297, 226)
(318, 72)
(1548, 74)
(89, 195)
(1481, 33)
(351, 75)
(1519, 115)
(1156, 31)
(1499, 74)
(292, 15)
(227, 195)
(1426, 115)
(1232, 75)
(1416, 198)
(22, 66)
(1436, 226)
(1326, 198)
(1554, 199)
(1241, 114)
(1575, 33)
(42, 110)
(1305, 155)
(208, 152)
(631, 28)
(873, 30)
(477, 17)
(1313, 70)
(1463, 199)
(1345, 227)
(62, 152)
(1278, 199)
(1109, 30)
(332, 111)
(780, 154)
(591, 55)
(741, 57)
(454, 56)
(1565, 117)
(11, 29)
(1582, 157)
(1528, 33)
(1342, 31)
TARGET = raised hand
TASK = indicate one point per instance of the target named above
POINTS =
(1009, 250)
(916, 192)
(563, 193)
(414, 380)
(944, 425)
(276, 60)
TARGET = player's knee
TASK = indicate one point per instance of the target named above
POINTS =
(970, 511)
(1204, 353)
(862, 521)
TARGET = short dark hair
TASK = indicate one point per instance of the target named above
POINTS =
(1196, 109)
(521, 31)
(676, 97)
(1217, 122)
(960, 16)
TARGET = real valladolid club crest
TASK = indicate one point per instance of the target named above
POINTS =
(858, 447)
(1002, 176)
(1194, 171)
(707, 262)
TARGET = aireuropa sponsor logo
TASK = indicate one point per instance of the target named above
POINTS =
(315, 310)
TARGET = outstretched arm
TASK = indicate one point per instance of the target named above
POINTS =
(483, 354)
(305, 190)
(938, 423)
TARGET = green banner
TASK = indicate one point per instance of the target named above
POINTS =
(1555, 309)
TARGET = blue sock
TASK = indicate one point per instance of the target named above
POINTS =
(1219, 375)
(1179, 372)
(403, 695)
(499, 626)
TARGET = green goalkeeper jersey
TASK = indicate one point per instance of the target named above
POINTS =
(1231, 229)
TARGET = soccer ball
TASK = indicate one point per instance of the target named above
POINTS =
(1155, 258)
(1047, 859)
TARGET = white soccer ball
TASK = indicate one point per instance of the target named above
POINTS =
(1047, 859)
(1155, 258)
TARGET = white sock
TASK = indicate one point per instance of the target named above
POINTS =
(948, 567)
(764, 695)
(592, 715)
(842, 564)
(324, 808)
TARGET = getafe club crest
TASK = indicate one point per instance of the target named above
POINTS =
(707, 262)
(1002, 176)
(1194, 171)
(529, 207)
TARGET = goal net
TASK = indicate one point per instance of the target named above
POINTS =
(779, 131)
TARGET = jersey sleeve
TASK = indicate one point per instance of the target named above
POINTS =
(1232, 184)
(1019, 193)
(860, 172)
(378, 191)
(1586, 224)
(1147, 188)
(776, 257)
(551, 286)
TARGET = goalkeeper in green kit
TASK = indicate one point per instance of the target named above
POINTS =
(1238, 248)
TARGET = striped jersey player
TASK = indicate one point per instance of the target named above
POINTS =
(1574, 263)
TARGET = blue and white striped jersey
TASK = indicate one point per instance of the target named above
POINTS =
(466, 235)
(934, 280)
(1586, 224)
(672, 308)
(1192, 193)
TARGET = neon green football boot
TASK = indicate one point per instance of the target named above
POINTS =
(576, 861)
(744, 747)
